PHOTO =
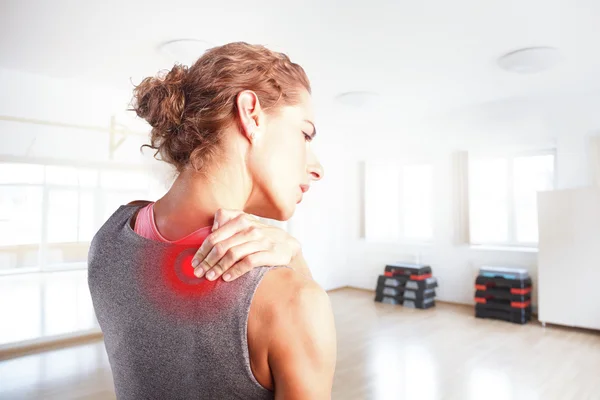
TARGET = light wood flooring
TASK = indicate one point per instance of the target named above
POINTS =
(384, 352)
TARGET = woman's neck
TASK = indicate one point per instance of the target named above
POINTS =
(193, 200)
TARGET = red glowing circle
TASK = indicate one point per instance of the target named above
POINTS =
(183, 267)
(174, 289)
(186, 266)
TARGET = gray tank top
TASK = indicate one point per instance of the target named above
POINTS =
(168, 334)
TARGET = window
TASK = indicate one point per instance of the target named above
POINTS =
(49, 214)
(503, 197)
(398, 202)
(417, 201)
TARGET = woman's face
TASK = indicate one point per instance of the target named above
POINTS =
(282, 163)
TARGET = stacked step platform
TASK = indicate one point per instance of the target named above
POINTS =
(410, 285)
(503, 293)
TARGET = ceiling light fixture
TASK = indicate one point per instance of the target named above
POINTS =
(357, 99)
(530, 60)
(184, 51)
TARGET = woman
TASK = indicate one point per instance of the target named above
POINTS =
(177, 323)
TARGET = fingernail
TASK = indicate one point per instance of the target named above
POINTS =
(198, 272)
(195, 262)
(226, 277)
(210, 275)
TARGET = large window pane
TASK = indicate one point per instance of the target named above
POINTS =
(65, 205)
(21, 173)
(382, 183)
(531, 174)
(417, 188)
(56, 175)
(20, 226)
(70, 226)
(88, 178)
(488, 200)
(124, 180)
(20, 215)
(20, 309)
(62, 215)
(87, 213)
(86, 318)
(71, 176)
(60, 306)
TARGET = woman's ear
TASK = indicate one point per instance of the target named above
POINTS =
(249, 113)
(251, 130)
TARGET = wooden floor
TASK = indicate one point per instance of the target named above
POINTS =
(384, 352)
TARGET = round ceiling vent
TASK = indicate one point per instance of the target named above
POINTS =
(184, 51)
(530, 60)
(357, 99)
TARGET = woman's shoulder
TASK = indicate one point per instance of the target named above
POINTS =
(284, 293)
(282, 284)
(286, 306)
(296, 332)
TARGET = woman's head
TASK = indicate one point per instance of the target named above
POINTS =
(237, 100)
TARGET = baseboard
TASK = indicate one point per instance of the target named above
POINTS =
(534, 312)
(360, 288)
(337, 289)
(19, 349)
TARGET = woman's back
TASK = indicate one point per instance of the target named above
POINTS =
(167, 333)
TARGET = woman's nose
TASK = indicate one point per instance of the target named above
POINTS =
(315, 169)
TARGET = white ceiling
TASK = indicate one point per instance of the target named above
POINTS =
(422, 56)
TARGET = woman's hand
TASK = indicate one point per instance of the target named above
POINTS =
(238, 243)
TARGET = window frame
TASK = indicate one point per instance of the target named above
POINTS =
(399, 166)
(100, 194)
(512, 242)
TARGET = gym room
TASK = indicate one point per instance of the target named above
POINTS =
(451, 231)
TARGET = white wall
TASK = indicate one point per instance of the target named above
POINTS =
(525, 124)
(320, 224)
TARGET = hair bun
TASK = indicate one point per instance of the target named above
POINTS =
(192, 111)
(160, 100)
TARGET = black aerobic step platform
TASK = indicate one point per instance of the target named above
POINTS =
(414, 271)
(504, 272)
(504, 305)
(407, 294)
(407, 283)
(411, 303)
(515, 286)
(516, 315)
(501, 295)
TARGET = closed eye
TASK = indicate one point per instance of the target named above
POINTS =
(308, 137)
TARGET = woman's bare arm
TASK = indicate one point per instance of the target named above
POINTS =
(302, 346)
